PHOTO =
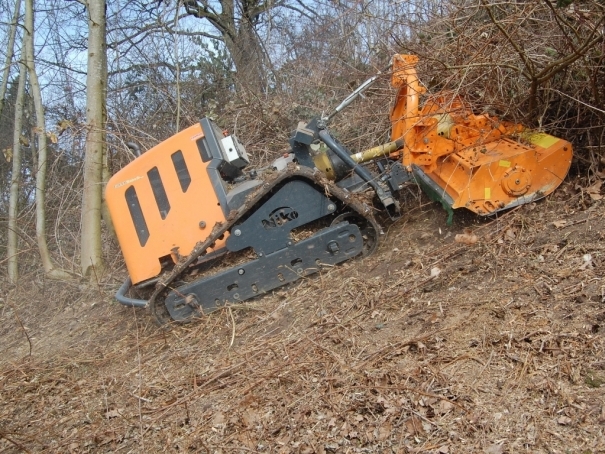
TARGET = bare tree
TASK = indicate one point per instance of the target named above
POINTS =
(13, 240)
(237, 23)
(9, 54)
(239, 34)
(28, 39)
(96, 88)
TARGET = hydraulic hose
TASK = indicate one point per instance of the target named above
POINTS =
(126, 301)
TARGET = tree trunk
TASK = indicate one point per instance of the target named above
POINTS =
(91, 259)
(13, 243)
(236, 24)
(28, 38)
(248, 56)
(9, 53)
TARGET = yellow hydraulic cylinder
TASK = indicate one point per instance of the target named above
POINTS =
(324, 163)
(377, 152)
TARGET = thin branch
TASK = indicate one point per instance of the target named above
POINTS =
(29, 341)
(528, 63)
(197, 33)
(301, 12)
(578, 101)
(564, 62)
(561, 27)
(193, 8)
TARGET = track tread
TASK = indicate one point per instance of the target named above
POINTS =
(353, 202)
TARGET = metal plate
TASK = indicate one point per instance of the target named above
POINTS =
(329, 246)
(268, 228)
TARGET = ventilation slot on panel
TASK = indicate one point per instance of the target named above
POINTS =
(137, 215)
(159, 192)
(203, 148)
(181, 170)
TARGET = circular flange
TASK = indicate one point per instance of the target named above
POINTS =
(516, 181)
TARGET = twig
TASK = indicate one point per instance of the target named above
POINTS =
(140, 398)
(16, 443)
(389, 349)
(94, 270)
(21, 324)
(233, 327)
(485, 366)
(217, 376)
(578, 101)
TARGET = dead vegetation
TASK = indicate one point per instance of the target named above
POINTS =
(430, 345)
(490, 344)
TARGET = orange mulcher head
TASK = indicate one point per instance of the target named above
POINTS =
(468, 160)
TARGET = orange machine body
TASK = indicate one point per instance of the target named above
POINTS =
(162, 204)
(470, 160)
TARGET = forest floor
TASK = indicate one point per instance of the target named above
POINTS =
(428, 346)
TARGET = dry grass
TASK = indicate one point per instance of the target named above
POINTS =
(500, 351)
(427, 346)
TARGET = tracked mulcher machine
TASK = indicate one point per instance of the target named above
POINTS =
(198, 229)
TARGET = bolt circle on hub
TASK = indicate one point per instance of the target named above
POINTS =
(516, 181)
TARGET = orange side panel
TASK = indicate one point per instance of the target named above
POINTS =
(503, 173)
(162, 204)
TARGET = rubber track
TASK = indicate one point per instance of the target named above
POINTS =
(353, 201)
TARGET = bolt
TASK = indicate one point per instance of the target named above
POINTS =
(202, 225)
(333, 247)
(331, 207)
(237, 232)
(241, 271)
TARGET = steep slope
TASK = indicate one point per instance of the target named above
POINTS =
(493, 344)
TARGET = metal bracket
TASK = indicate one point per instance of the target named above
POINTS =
(327, 247)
